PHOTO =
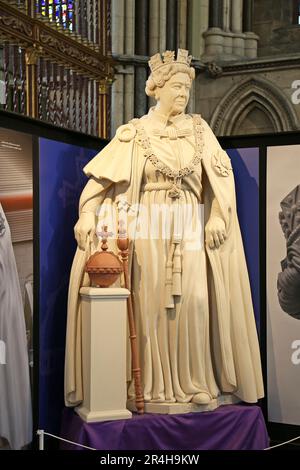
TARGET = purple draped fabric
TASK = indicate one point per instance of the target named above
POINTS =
(230, 427)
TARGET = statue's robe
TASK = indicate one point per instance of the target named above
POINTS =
(118, 169)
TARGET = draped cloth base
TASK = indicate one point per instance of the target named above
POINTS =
(230, 427)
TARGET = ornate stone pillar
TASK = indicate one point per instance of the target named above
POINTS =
(182, 24)
(128, 91)
(141, 48)
(215, 14)
(141, 27)
(154, 27)
(171, 31)
(237, 28)
(248, 16)
(118, 13)
(214, 38)
(251, 38)
(162, 25)
(155, 32)
(198, 13)
(226, 14)
(129, 26)
(226, 27)
(117, 97)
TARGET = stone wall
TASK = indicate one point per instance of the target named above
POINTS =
(247, 56)
(255, 102)
(273, 23)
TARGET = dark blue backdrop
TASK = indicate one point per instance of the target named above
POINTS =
(61, 182)
(60, 185)
(245, 163)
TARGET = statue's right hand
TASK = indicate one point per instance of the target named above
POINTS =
(84, 227)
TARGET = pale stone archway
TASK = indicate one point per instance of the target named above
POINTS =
(253, 106)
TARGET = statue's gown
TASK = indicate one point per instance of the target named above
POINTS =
(174, 342)
(185, 346)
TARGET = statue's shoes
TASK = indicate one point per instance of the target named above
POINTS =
(201, 398)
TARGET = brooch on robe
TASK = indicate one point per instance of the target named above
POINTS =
(126, 133)
(221, 163)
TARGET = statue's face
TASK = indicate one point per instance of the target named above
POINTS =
(174, 95)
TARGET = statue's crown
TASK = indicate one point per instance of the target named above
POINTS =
(157, 62)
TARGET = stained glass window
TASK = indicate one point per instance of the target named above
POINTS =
(60, 11)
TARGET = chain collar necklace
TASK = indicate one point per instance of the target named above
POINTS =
(174, 175)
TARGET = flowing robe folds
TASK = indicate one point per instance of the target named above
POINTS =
(203, 337)
(15, 392)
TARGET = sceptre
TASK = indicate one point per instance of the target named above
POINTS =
(123, 245)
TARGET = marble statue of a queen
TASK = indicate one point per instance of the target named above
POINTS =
(167, 173)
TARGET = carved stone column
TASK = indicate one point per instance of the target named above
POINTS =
(157, 26)
(128, 91)
(154, 25)
(31, 58)
(251, 38)
(237, 28)
(141, 48)
(214, 38)
(171, 25)
(248, 15)
(162, 25)
(118, 32)
(118, 13)
(215, 14)
(198, 14)
(182, 24)
(227, 7)
(228, 36)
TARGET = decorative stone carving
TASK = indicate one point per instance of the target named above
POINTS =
(16, 24)
(243, 95)
(126, 133)
(221, 163)
(32, 55)
(214, 70)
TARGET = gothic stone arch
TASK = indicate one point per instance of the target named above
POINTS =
(248, 95)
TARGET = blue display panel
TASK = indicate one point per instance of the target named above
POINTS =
(245, 163)
(61, 181)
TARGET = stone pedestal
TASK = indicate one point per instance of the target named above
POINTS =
(181, 408)
(104, 337)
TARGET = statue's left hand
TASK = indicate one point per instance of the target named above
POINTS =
(215, 232)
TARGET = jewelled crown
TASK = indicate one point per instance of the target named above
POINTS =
(156, 61)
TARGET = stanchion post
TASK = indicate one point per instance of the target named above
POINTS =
(40, 433)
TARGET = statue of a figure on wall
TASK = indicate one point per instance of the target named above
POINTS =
(288, 282)
(197, 337)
